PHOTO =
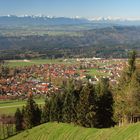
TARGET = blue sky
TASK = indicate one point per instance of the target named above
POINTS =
(72, 8)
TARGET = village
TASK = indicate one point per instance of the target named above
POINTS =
(48, 78)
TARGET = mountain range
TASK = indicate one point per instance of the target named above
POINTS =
(12, 20)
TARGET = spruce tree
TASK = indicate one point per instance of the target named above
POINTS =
(32, 115)
(68, 102)
(92, 99)
(86, 106)
(67, 108)
(18, 120)
(59, 107)
(53, 108)
(132, 63)
(128, 92)
(104, 111)
(37, 115)
(45, 116)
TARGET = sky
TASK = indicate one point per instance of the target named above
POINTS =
(72, 8)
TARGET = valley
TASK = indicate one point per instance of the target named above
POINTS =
(69, 77)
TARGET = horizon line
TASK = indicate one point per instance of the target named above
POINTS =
(77, 17)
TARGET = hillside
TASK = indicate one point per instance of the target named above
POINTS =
(55, 131)
(108, 42)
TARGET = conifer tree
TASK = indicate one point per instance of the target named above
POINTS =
(92, 99)
(104, 112)
(37, 115)
(53, 108)
(45, 116)
(127, 98)
(67, 106)
(32, 116)
(59, 107)
(18, 120)
(132, 63)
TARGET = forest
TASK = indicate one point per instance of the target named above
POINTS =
(107, 42)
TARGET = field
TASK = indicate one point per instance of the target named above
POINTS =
(9, 107)
(57, 30)
(55, 131)
(22, 63)
(94, 71)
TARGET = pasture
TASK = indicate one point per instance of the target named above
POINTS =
(9, 107)
(97, 72)
(60, 131)
(22, 63)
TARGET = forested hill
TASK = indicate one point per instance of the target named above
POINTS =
(113, 41)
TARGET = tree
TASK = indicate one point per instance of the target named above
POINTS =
(127, 98)
(32, 115)
(132, 63)
(45, 116)
(86, 106)
(68, 102)
(92, 99)
(59, 107)
(104, 111)
(18, 120)
(23, 117)
(53, 108)
(37, 115)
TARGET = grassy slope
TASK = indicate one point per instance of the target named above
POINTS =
(55, 131)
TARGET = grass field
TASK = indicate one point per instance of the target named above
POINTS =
(55, 131)
(9, 107)
(94, 71)
(22, 63)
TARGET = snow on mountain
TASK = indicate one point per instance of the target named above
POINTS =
(13, 20)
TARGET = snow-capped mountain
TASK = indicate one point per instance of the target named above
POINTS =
(40, 20)
(36, 20)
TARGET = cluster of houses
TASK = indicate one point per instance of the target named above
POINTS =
(48, 78)
(110, 68)
(37, 79)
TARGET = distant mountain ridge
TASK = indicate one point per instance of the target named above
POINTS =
(12, 20)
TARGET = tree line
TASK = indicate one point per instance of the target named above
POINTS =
(127, 93)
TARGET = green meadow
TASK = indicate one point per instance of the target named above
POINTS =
(22, 63)
(9, 107)
(60, 131)
(97, 72)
